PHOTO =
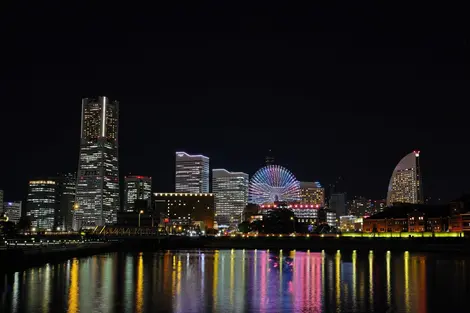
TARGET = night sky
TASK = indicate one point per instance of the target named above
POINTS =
(334, 89)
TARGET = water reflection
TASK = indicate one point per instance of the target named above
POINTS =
(242, 281)
(74, 291)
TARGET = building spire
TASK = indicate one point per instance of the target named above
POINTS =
(269, 158)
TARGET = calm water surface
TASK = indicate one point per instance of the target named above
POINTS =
(242, 281)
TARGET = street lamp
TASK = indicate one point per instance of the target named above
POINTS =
(293, 223)
(140, 212)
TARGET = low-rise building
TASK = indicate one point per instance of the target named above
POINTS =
(186, 208)
(410, 218)
(460, 223)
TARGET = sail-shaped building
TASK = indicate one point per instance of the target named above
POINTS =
(405, 184)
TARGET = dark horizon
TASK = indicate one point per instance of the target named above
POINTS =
(333, 91)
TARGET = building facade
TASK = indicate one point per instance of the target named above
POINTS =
(192, 173)
(230, 191)
(67, 192)
(405, 185)
(306, 213)
(414, 218)
(42, 203)
(1, 200)
(326, 216)
(136, 188)
(97, 192)
(186, 208)
(347, 223)
(312, 193)
(13, 210)
(337, 204)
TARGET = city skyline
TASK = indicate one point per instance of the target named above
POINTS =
(212, 156)
(169, 188)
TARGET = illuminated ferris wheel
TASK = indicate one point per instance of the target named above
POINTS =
(273, 183)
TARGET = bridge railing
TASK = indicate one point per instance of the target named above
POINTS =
(128, 231)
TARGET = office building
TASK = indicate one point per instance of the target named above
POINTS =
(405, 184)
(337, 204)
(192, 173)
(1, 200)
(43, 203)
(230, 191)
(186, 209)
(97, 192)
(312, 193)
(67, 187)
(136, 188)
(13, 211)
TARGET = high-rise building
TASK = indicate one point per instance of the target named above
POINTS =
(192, 173)
(405, 184)
(136, 188)
(67, 187)
(312, 193)
(230, 191)
(337, 204)
(13, 211)
(98, 175)
(43, 203)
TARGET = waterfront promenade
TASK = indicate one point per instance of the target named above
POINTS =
(18, 257)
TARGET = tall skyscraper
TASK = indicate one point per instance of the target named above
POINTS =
(13, 211)
(98, 175)
(192, 173)
(312, 193)
(405, 184)
(67, 190)
(43, 203)
(230, 191)
(136, 188)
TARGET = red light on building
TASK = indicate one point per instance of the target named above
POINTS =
(317, 206)
(166, 220)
